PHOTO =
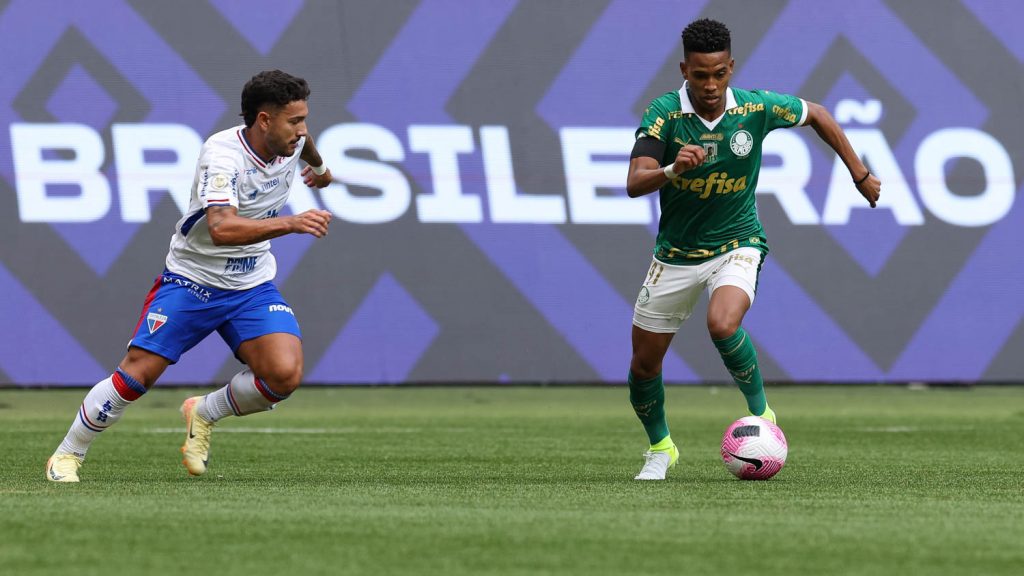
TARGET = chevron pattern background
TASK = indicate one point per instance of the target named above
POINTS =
(410, 300)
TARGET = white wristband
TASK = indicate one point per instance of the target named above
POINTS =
(319, 170)
(669, 173)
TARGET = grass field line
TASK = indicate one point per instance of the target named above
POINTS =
(269, 430)
(911, 429)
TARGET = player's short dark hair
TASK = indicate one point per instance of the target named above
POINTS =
(705, 36)
(272, 88)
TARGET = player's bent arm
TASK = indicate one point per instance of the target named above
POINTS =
(315, 174)
(310, 155)
(227, 228)
(646, 175)
(829, 131)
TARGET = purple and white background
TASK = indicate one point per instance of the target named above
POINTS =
(482, 232)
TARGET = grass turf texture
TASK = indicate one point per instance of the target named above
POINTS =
(454, 481)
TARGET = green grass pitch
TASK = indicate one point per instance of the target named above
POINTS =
(880, 480)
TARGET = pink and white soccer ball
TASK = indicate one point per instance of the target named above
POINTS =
(754, 448)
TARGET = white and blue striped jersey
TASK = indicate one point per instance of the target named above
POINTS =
(230, 173)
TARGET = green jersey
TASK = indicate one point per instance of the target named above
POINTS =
(710, 209)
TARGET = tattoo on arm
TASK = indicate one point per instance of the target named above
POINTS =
(215, 215)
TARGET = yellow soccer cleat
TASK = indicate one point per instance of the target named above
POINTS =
(658, 460)
(63, 468)
(768, 415)
(197, 437)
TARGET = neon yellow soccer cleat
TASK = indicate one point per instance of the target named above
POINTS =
(768, 415)
(63, 468)
(197, 437)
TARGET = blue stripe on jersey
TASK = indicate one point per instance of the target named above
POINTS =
(191, 222)
(244, 137)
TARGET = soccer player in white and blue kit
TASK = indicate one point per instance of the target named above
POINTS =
(219, 277)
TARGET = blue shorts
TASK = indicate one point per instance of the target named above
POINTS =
(179, 313)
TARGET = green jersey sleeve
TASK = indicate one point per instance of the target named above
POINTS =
(782, 110)
(654, 119)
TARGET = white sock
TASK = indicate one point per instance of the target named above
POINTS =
(245, 394)
(102, 407)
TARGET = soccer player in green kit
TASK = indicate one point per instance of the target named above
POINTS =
(701, 147)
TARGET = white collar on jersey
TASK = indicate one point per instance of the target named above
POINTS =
(687, 107)
(243, 137)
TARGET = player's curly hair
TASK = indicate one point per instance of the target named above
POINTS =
(705, 36)
(272, 88)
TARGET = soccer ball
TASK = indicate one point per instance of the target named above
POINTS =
(754, 448)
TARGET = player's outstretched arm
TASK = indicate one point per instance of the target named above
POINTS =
(314, 164)
(227, 228)
(828, 129)
(646, 175)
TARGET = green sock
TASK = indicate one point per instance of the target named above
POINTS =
(741, 360)
(648, 400)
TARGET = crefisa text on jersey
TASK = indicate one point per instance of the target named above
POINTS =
(461, 169)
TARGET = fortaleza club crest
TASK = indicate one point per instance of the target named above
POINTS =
(741, 143)
(155, 321)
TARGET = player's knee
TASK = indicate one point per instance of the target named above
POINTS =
(643, 367)
(721, 327)
(283, 377)
(142, 366)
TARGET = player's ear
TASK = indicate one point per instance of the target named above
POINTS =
(263, 119)
(682, 68)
